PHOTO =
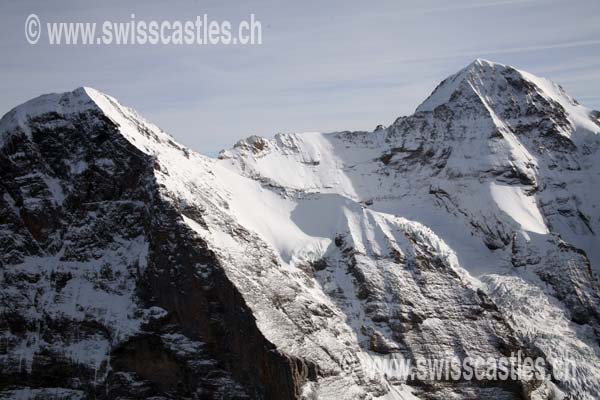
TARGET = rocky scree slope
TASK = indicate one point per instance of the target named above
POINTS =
(133, 267)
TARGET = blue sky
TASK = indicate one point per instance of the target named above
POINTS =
(323, 66)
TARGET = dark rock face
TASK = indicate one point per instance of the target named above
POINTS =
(416, 305)
(193, 335)
(134, 268)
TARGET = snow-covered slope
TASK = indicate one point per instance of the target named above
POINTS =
(466, 229)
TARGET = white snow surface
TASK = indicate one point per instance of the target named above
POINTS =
(295, 193)
(521, 208)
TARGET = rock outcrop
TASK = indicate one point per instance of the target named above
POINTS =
(288, 268)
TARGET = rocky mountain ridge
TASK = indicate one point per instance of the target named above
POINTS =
(133, 267)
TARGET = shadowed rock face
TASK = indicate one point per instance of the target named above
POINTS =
(132, 267)
(194, 336)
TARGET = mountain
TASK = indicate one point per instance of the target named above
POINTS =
(294, 267)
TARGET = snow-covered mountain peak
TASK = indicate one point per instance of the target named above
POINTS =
(500, 131)
(51, 111)
(508, 92)
(466, 229)
(477, 71)
(142, 133)
(67, 104)
(506, 116)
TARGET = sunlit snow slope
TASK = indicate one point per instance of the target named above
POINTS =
(466, 229)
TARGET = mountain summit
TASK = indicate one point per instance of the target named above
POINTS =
(293, 267)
